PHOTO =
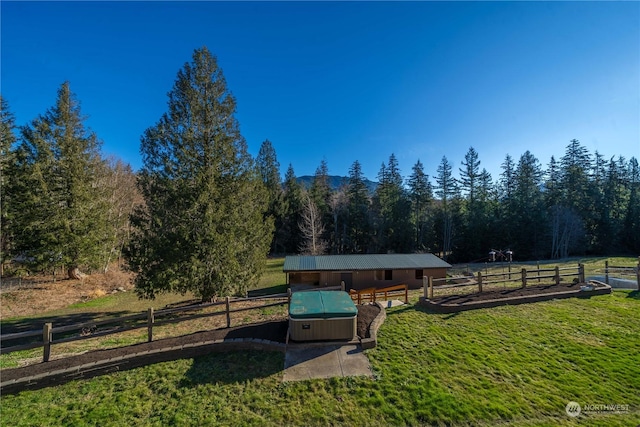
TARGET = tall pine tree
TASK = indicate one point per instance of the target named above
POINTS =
(203, 228)
(269, 168)
(63, 218)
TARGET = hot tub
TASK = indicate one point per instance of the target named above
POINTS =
(322, 315)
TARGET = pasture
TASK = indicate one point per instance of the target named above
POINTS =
(517, 365)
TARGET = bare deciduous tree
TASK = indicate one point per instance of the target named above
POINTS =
(311, 228)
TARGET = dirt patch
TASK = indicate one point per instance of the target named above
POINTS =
(366, 314)
(495, 298)
(37, 294)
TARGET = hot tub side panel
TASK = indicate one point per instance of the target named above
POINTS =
(341, 328)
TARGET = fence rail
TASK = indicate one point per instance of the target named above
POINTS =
(146, 320)
(525, 277)
(371, 294)
(620, 270)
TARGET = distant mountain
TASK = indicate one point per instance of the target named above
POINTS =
(335, 182)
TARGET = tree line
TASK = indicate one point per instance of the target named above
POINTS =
(582, 203)
(202, 214)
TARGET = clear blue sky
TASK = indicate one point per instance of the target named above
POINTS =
(346, 81)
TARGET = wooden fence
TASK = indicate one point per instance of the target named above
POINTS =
(371, 294)
(147, 320)
(618, 271)
(480, 280)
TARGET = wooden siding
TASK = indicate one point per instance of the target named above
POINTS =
(365, 279)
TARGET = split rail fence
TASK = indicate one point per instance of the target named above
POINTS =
(148, 320)
(526, 277)
(618, 271)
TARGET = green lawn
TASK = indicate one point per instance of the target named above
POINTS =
(515, 365)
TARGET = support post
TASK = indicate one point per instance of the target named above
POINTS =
(523, 272)
(606, 272)
(424, 287)
(47, 336)
(581, 278)
(479, 281)
(557, 275)
(228, 313)
(430, 287)
(538, 269)
(150, 321)
(509, 270)
(342, 285)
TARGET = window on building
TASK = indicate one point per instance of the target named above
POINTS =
(419, 274)
(388, 274)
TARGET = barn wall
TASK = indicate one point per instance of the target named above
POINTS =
(365, 279)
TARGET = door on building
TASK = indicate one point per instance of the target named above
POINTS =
(347, 278)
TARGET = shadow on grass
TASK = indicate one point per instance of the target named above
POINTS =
(634, 295)
(233, 367)
(35, 323)
(276, 289)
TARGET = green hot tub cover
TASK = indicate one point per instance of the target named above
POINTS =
(321, 305)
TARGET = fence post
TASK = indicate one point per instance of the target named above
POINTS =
(406, 294)
(424, 286)
(479, 281)
(638, 273)
(46, 340)
(509, 270)
(430, 279)
(606, 272)
(228, 313)
(538, 267)
(150, 320)
(557, 275)
(524, 277)
(581, 273)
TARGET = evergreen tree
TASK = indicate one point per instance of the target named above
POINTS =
(358, 224)
(474, 227)
(269, 169)
(392, 210)
(529, 208)
(293, 204)
(203, 227)
(506, 190)
(631, 230)
(63, 218)
(421, 196)
(446, 190)
(7, 139)
(320, 193)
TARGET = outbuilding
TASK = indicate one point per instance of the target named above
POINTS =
(363, 271)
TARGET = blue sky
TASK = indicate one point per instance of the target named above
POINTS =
(345, 81)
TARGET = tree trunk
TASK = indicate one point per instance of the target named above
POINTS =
(75, 273)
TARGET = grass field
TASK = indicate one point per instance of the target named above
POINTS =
(517, 365)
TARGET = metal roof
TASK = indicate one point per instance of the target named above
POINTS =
(363, 262)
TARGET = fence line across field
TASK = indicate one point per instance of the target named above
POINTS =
(525, 276)
(146, 320)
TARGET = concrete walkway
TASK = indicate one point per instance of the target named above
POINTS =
(308, 362)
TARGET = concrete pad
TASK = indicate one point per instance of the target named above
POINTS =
(305, 363)
(391, 303)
